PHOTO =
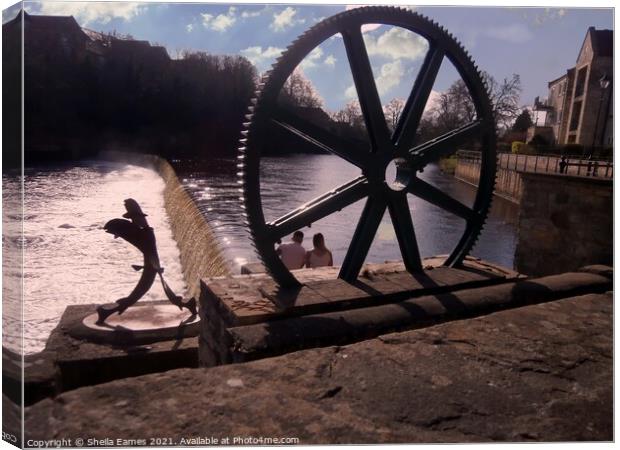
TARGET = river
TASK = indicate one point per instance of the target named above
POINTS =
(291, 181)
(68, 259)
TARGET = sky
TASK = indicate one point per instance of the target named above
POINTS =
(538, 44)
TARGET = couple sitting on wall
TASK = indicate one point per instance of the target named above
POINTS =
(294, 255)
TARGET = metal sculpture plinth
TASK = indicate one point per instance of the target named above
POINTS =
(139, 234)
(148, 322)
(401, 147)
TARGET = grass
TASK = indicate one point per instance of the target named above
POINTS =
(448, 165)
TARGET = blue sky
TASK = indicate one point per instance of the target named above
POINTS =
(539, 44)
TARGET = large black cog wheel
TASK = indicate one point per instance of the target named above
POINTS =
(385, 147)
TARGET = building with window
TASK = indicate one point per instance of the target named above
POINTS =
(579, 108)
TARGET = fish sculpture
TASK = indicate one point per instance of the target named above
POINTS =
(138, 233)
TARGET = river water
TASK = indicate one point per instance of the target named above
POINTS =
(288, 182)
(68, 259)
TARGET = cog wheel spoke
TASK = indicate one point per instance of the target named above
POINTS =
(404, 134)
(320, 207)
(431, 194)
(362, 238)
(401, 219)
(380, 156)
(364, 80)
(321, 138)
(444, 145)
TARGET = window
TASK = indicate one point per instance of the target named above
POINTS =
(574, 120)
(581, 81)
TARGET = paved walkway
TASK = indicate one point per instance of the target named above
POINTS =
(537, 373)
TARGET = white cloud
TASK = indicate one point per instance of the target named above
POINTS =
(206, 19)
(248, 14)
(396, 43)
(390, 75)
(285, 19)
(350, 92)
(312, 59)
(549, 14)
(11, 12)
(189, 27)
(89, 12)
(259, 57)
(221, 22)
(330, 61)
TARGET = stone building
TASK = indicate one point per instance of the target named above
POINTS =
(61, 40)
(579, 109)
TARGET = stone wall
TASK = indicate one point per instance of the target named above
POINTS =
(507, 183)
(237, 325)
(565, 222)
(540, 373)
(201, 255)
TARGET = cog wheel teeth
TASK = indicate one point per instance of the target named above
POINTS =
(270, 84)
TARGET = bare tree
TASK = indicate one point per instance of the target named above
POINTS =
(298, 90)
(455, 106)
(505, 99)
(351, 115)
(393, 111)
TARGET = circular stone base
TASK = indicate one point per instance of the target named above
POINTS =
(139, 324)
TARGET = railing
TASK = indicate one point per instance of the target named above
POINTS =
(548, 164)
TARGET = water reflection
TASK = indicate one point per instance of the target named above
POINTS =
(288, 182)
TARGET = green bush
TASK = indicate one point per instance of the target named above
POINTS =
(521, 148)
(516, 145)
(448, 165)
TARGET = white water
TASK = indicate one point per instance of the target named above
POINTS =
(68, 258)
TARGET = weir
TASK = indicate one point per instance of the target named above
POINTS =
(200, 252)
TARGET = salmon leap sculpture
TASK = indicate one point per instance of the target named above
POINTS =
(138, 233)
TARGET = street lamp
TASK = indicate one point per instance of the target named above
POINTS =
(605, 81)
